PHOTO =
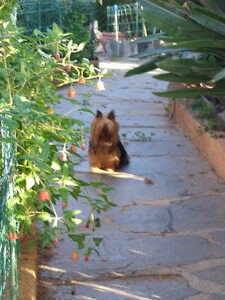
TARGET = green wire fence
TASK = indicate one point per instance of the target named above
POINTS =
(38, 14)
(9, 243)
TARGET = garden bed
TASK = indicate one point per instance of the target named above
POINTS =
(212, 147)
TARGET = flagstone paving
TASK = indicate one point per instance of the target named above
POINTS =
(164, 240)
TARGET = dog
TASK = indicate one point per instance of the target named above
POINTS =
(106, 151)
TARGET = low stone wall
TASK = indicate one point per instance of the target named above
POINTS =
(213, 149)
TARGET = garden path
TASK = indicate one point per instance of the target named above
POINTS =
(163, 241)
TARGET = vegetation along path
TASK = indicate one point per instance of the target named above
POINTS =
(164, 240)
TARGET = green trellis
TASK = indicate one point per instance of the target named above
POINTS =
(129, 20)
(9, 249)
(39, 14)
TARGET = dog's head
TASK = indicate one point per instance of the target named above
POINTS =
(104, 129)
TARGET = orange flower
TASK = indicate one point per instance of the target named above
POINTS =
(44, 196)
(82, 80)
(63, 205)
(73, 148)
(72, 93)
(74, 256)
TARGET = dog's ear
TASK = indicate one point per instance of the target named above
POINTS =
(111, 115)
(98, 114)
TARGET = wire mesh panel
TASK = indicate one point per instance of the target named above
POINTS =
(129, 20)
(40, 14)
(9, 242)
(82, 14)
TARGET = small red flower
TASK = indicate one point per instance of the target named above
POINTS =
(50, 111)
(72, 93)
(64, 156)
(13, 236)
(73, 148)
(87, 224)
(44, 196)
(74, 256)
(83, 147)
(63, 205)
(68, 68)
(82, 80)
(55, 241)
(11, 178)
(86, 257)
(57, 56)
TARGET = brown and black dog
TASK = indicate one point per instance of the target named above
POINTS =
(106, 151)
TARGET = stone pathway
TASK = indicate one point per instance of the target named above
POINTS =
(162, 242)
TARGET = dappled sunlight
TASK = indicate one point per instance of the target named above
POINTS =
(29, 271)
(138, 252)
(85, 275)
(118, 65)
(123, 291)
(117, 174)
(53, 269)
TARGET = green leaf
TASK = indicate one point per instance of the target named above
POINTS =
(185, 79)
(191, 93)
(44, 216)
(97, 184)
(79, 239)
(97, 241)
(220, 75)
(12, 124)
(158, 51)
(81, 47)
(68, 214)
(64, 193)
(87, 110)
(97, 223)
(65, 170)
(168, 18)
(57, 29)
(183, 67)
(208, 21)
(45, 150)
(200, 43)
(55, 163)
(149, 66)
(103, 196)
(107, 189)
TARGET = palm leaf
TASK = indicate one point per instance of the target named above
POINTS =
(218, 76)
(208, 21)
(149, 66)
(158, 51)
(184, 79)
(191, 93)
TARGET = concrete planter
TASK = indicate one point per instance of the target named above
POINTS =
(112, 36)
(213, 149)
